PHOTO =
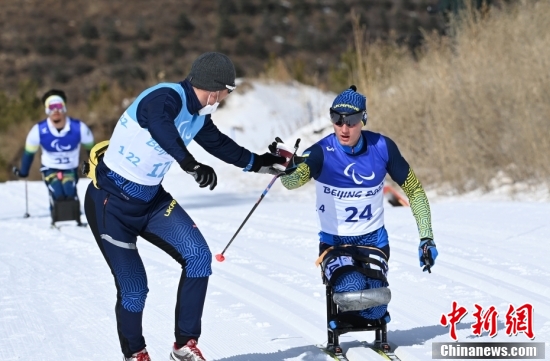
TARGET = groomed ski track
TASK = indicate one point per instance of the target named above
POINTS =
(266, 301)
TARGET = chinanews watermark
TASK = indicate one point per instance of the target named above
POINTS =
(488, 350)
(518, 320)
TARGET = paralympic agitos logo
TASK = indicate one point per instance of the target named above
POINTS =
(357, 181)
(58, 147)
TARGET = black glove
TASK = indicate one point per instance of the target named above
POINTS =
(264, 163)
(85, 168)
(18, 173)
(204, 175)
(273, 146)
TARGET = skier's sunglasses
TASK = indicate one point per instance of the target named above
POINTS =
(350, 120)
(55, 106)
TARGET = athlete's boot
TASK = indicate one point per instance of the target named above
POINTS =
(189, 352)
(138, 356)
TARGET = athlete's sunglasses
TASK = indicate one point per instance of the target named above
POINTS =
(350, 120)
(55, 106)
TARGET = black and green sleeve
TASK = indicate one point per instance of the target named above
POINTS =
(310, 168)
(400, 171)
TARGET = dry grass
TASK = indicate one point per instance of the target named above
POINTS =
(472, 105)
(468, 108)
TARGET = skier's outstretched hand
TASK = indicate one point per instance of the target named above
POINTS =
(204, 175)
(427, 252)
(294, 161)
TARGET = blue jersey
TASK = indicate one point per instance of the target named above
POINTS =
(53, 143)
(350, 188)
(60, 147)
(350, 184)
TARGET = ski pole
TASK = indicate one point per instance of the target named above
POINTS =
(15, 171)
(426, 259)
(220, 257)
(427, 266)
(26, 215)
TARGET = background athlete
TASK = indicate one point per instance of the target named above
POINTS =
(59, 136)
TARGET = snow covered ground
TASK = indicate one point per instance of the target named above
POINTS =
(266, 301)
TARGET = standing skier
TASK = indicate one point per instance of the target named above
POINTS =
(349, 167)
(60, 138)
(126, 198)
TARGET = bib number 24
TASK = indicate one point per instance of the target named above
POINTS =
(365, 214)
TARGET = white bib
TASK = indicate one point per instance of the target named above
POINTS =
(349, 211)
(135, 155)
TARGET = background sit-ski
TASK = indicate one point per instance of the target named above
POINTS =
(65, 210)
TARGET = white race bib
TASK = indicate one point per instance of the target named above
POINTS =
(135, 155)
(349, 211)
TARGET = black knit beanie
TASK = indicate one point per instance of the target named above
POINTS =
(212, 71)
